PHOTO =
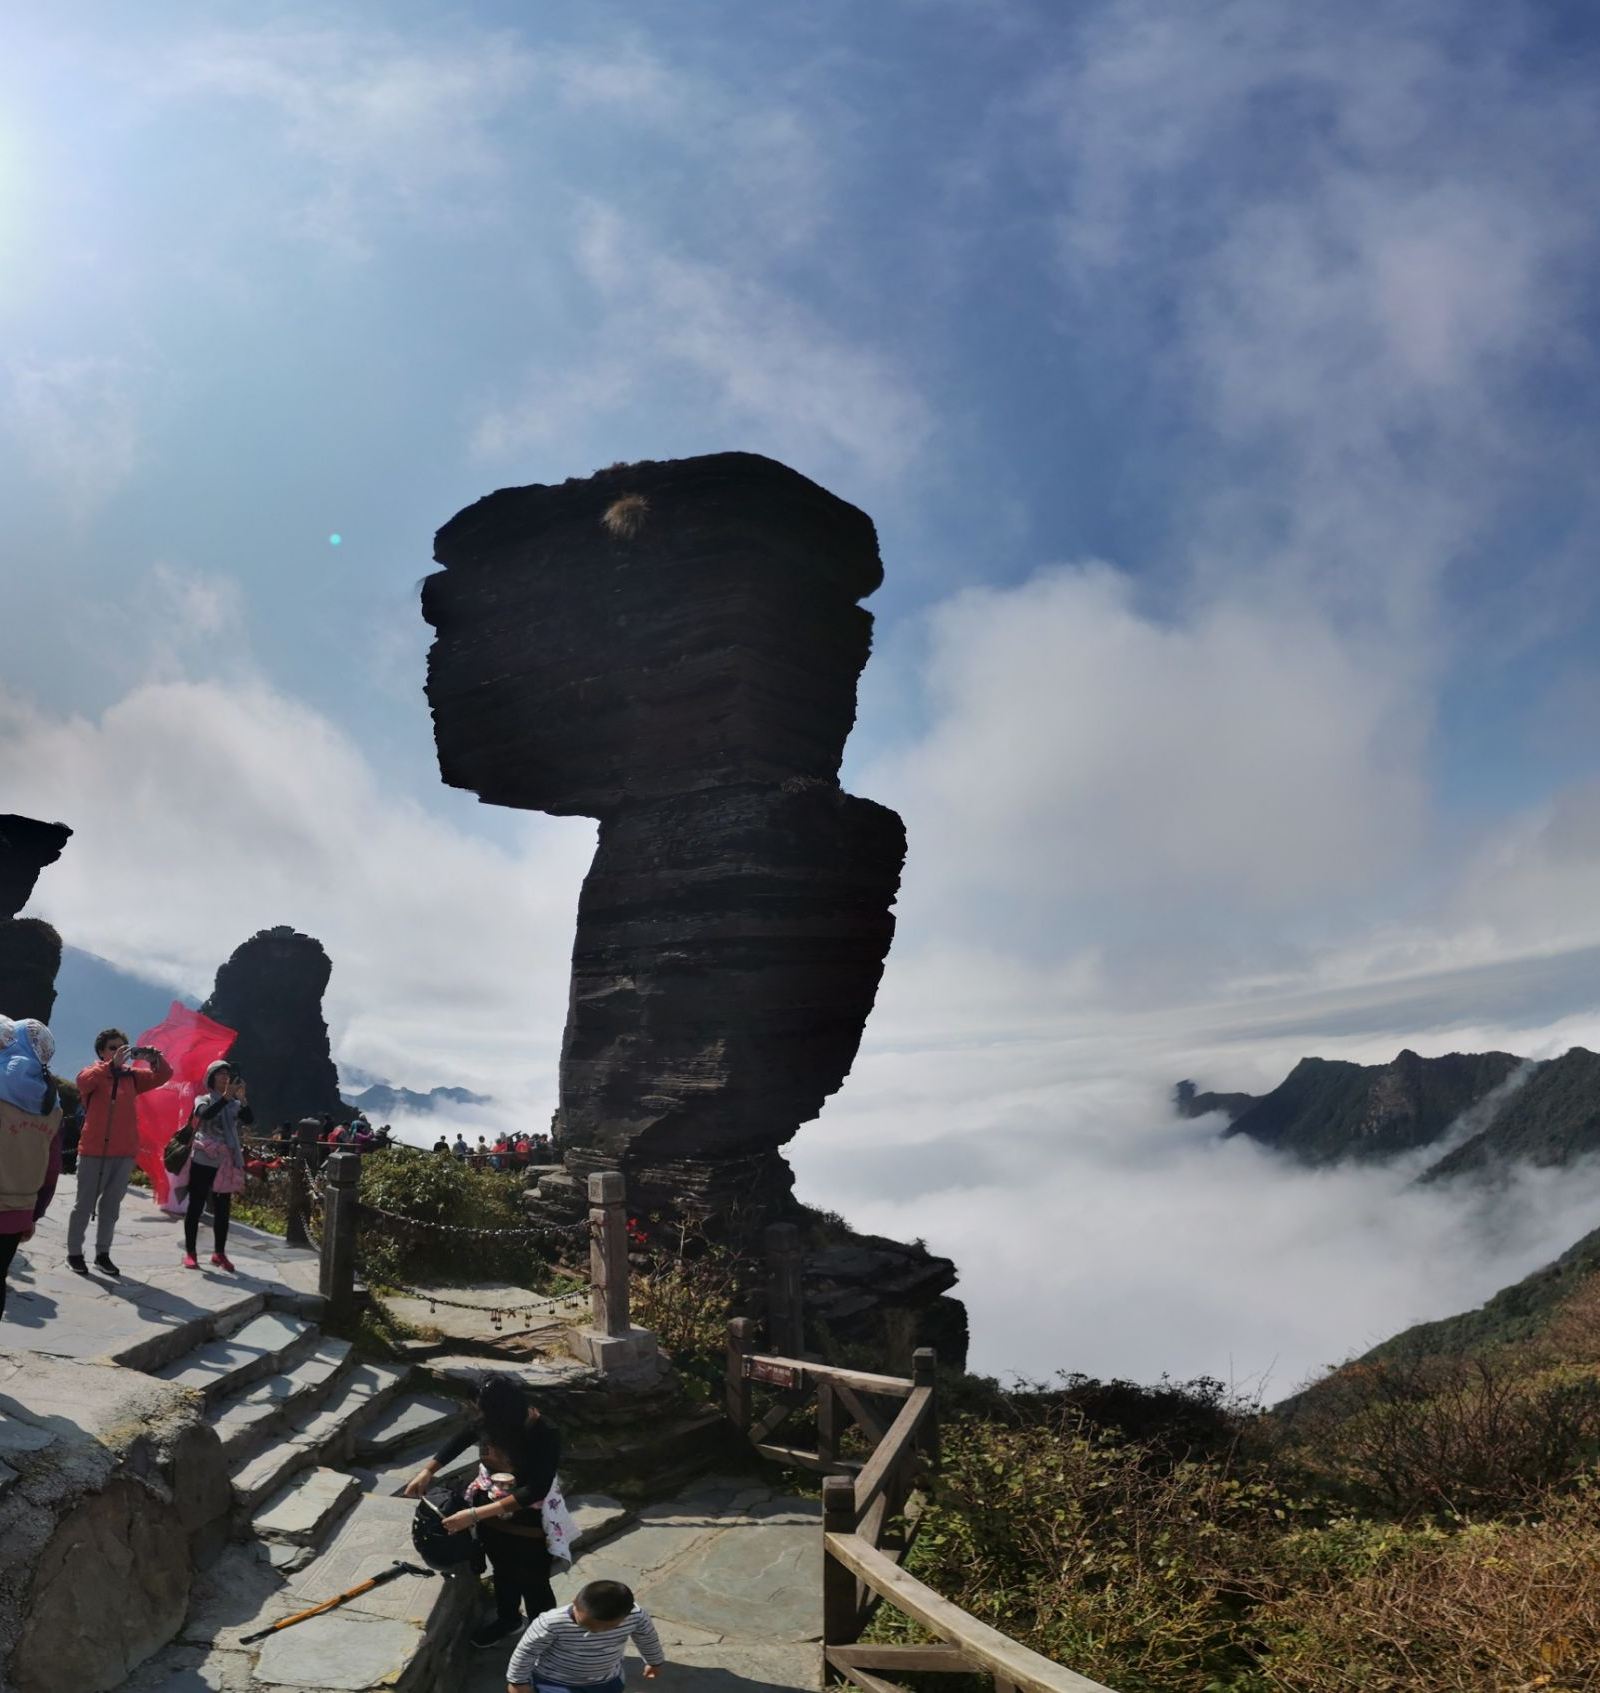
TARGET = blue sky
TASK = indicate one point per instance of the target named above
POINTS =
(1221, 378)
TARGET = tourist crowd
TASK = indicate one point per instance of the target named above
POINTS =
(508, 1152)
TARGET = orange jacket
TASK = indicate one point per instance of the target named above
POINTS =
(111, 1107)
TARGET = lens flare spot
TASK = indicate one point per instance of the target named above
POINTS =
(335, 540)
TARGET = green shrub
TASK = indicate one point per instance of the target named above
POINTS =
(422, 1190)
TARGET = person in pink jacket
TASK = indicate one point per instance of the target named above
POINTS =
(30, 1136)
(109, 1089)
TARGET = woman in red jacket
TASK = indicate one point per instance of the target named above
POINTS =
(109, 1089)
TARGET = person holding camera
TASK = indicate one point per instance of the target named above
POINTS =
(108, 1091)
(216, 1161)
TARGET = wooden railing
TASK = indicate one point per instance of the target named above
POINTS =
(870, 1517)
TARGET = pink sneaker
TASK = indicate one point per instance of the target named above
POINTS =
(190, 1262)
(220, 1259)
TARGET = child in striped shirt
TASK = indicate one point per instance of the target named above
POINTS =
(580, 1646)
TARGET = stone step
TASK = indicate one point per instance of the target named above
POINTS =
(224, 1366)
(464, 1370)
(390, 1475)
(175, 1323)
(301, 1512)
(415, 1419)
(244, 1420)
(322, 1434)
(398, 1635)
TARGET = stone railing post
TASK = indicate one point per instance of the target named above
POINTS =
(610, 1342)
(741, 1343)
(785, 1302)
(298, 1204)
(340, 1214)
(608, 1254)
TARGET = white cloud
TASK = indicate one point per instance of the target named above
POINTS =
(725, 344)
(389, 125)
(206, 810)
(1096, 1232)
(79, 425)
(1083, 761)
(1346, 248)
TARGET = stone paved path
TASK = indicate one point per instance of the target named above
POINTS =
(732, 1574)
(730, 1570)
(157, 1309)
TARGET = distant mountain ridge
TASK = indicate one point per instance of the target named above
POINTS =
(1509, 1110)
(1327, 1110)
(93, 994)
(1553, 1120)
(381, 1100)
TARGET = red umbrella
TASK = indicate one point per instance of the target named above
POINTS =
(191, 1042)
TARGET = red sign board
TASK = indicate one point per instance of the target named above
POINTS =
(774, 1375)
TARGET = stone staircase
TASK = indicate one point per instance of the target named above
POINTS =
(315, 1442)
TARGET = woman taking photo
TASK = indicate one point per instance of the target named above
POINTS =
(216, 1161)
(518, 1453)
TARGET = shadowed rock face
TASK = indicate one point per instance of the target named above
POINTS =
(30, 950)
(271, 991)
(673, 649)
(26, 847)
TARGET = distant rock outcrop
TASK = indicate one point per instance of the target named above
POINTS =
(30, 949)
(1328, 1109)
(271, 991)
(1189, 1103)
(673, 648)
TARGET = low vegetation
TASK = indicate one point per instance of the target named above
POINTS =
(1417, 1523)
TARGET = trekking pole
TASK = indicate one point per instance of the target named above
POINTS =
(338, 1599)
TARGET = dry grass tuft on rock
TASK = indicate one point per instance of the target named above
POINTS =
(624, 518)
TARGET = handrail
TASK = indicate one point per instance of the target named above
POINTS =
(892, 1448)
(991, 1650)
(896, 1387)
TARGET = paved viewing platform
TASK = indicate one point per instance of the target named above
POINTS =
(316, 1444)
(156, 1309)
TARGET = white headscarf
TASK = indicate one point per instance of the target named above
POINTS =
(44, 1043)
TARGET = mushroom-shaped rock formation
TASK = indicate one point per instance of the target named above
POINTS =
(673, 648)
(271, 990)
(30, 949)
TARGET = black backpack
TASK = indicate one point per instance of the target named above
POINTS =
(435, 1545)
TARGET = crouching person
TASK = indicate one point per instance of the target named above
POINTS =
(578, 1648)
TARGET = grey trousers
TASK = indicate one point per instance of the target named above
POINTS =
(101, 1184)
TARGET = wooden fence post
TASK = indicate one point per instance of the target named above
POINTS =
(608, 1254)
(298, 1207)
(827, 1422)
(841, 1610)
(336, 1279)
(786, 1322)
(925, 1373)
(741, 1343)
